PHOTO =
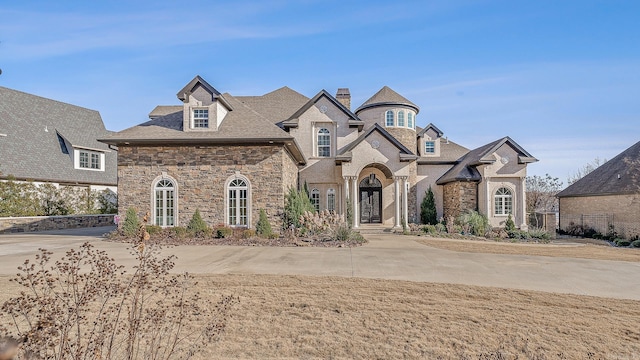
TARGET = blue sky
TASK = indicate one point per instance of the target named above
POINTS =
(562, 78)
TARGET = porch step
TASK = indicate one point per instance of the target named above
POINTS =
(374, 229)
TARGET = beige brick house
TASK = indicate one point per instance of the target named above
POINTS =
(230, 156)
(608, 198)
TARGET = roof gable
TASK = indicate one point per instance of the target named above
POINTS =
(620, 175)
(193, 84)
(430, 126)
(377, 128)
(387, 96)
(292, 121)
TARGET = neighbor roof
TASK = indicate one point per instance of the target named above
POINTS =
(620, 175)
(32, 149)
(387, 97)
(465, 169)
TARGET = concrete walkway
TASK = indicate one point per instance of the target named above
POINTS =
(385, 256)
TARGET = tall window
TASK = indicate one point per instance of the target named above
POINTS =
(164, 203)
(429, 147)
(410, 120)
(89, 160)
(315, 199)
(389, 117)
(238, 202)
(503, 202)
(401, 118)
(324, 143)
(331, 200)
(200, 118)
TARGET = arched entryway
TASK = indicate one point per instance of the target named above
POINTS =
(370, 189)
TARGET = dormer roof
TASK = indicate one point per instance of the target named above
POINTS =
(387, 97)
(292, 121)
(191, 86)
(430, 126)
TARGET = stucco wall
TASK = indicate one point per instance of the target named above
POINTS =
(428, 175)
(201, 173)
(623, 211)
(43, 223)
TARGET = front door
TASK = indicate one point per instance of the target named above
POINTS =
(370, 200)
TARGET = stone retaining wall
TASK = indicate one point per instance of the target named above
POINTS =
(42, 223)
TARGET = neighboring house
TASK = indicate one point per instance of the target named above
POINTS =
(229, 156)
(606, 199)
(47, 141)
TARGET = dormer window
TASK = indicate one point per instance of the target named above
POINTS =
(88, 160)
(200, 118)
(429, 147)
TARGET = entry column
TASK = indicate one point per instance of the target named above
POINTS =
(396, 184)
(354, 200)
(405, 203)
(345, 195)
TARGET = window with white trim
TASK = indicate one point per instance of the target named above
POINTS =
(390, 121)
(503, 200)
(164, 201)
(238, 205)
(400, 118)
(331, 200)
(89, 160)
(200, 118)
(429, 147)
(410, 120)
(315, 199)
(324, 143)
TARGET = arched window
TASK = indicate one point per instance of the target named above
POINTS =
(315, 199)
(410, 120)
(238, 201)
(164, 203)
(503, 202)
(389, 117)
(324, 143)
(331, 200)
(400, 118)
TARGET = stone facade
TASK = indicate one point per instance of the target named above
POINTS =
(598, 212)
(44, 223)
(460, 196)
(201, 173)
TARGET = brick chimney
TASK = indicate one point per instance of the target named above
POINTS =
(344, 96)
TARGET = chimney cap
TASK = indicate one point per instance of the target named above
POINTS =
(343, 92)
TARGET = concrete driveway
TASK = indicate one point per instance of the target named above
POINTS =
(385, 257)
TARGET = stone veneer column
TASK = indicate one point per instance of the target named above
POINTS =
(396, 184)
(405, 204)
(356, 216)
(345, 194)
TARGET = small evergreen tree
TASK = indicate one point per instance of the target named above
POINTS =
(509, 225)
(131, 223)
(197, 226)
(349, 212)
(297, 202)
(263, 227)
(428, 214)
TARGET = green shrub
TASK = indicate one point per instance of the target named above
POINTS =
(509, 225)
(197, 226)
(428, 214)
(474, 222)
(154, 229)
(273, 236)
(131, 223)
(622, 242)
(180, 232)
(222, 232)
(263, 227)
(636, 244)
(430, 229)
(248, 233)
(342, 233)
(537, 233)
(441, 228)
(297, 202)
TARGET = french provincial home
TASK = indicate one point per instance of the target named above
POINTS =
(230, 156)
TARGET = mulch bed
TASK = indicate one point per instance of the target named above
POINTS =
(253, 241)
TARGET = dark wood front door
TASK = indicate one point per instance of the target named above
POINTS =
(370, 201)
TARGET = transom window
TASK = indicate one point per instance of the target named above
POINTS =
(164, 203)
(331, 200)
(324, 143)
(315, 199)
(238, 203)
(389, 116)
(89, 160)
(503, 202)
(200, 118)
(410, 119)
(429, 147)
(400, 118)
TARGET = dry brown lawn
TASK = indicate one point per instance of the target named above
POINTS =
(583, 251)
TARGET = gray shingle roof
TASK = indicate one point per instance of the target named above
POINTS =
(449, 152)
(620, 175)
(293, 119)
(465, 169)
(162, 110)
(31, 149)
(386, 96)
(277, 105)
